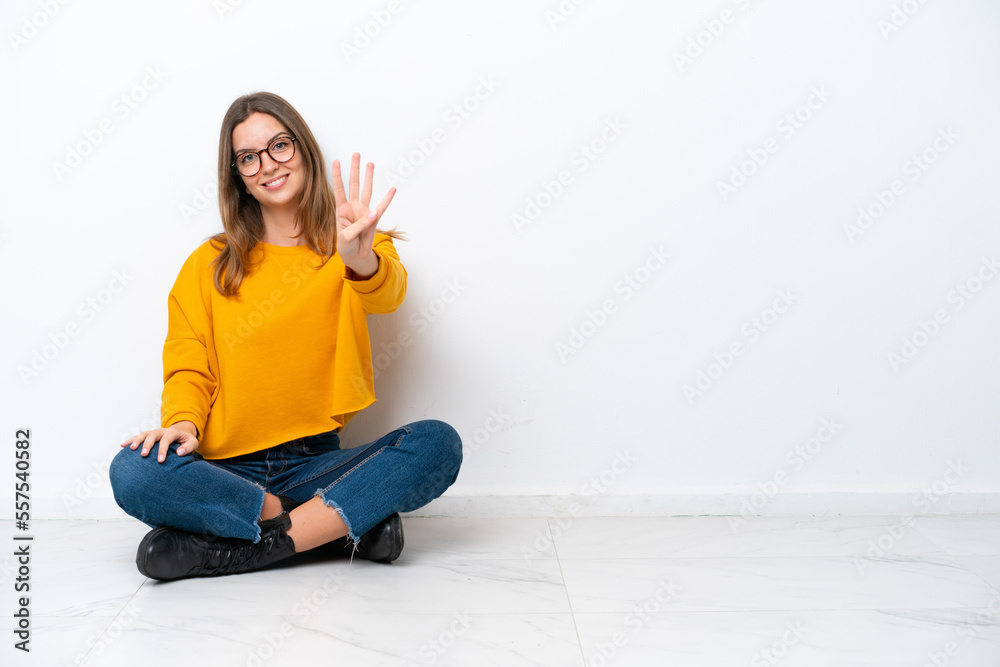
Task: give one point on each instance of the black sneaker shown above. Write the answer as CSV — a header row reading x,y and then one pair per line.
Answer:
x,y
167,553
381,544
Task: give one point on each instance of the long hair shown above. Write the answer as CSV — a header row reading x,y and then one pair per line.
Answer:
x,y
241,217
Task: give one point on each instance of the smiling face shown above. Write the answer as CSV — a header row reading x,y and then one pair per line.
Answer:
x,y
278,184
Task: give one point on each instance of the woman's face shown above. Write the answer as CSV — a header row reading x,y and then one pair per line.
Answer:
x,y
277,184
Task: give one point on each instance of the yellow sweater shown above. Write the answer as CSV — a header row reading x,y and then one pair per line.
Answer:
x,y
289,358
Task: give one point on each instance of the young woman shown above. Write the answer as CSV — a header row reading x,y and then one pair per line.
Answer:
x,y
266,359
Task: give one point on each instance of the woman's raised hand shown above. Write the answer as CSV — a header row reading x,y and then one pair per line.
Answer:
x,y
355,221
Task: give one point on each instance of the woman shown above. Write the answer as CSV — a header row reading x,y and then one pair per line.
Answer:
x,y
266,358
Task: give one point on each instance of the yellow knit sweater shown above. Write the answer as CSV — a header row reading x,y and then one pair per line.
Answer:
x,y
288,358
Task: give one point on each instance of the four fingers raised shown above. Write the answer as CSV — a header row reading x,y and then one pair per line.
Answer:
x,y
354,183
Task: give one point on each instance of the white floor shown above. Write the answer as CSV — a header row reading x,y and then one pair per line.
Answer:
x,y
676,591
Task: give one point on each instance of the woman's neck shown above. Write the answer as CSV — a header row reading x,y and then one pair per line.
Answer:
x,y
280,227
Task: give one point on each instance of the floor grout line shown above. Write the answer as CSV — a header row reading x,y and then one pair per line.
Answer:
x,y
569,602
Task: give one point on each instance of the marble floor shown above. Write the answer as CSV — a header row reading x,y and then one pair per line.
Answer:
x,y
684,591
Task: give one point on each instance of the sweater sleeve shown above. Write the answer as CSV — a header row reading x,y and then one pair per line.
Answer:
x,y
383,292
188,381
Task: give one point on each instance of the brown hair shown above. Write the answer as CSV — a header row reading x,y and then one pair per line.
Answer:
x,y
241,217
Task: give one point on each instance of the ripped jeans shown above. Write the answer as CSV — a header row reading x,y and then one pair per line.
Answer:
x,y
400,472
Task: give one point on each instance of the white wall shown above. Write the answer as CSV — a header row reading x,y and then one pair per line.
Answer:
x,y
142,199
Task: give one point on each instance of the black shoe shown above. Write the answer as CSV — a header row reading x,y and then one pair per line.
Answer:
x,y
383,543
167,553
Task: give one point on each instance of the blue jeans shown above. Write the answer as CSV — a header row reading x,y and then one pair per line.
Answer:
x,y
399,472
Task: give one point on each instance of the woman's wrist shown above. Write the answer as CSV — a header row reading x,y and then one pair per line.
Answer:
x,y
366,269
187,427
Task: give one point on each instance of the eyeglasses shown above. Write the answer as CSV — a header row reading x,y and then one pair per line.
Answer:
x,y
282,149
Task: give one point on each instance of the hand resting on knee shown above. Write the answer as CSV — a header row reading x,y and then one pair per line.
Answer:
x,y
184,433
